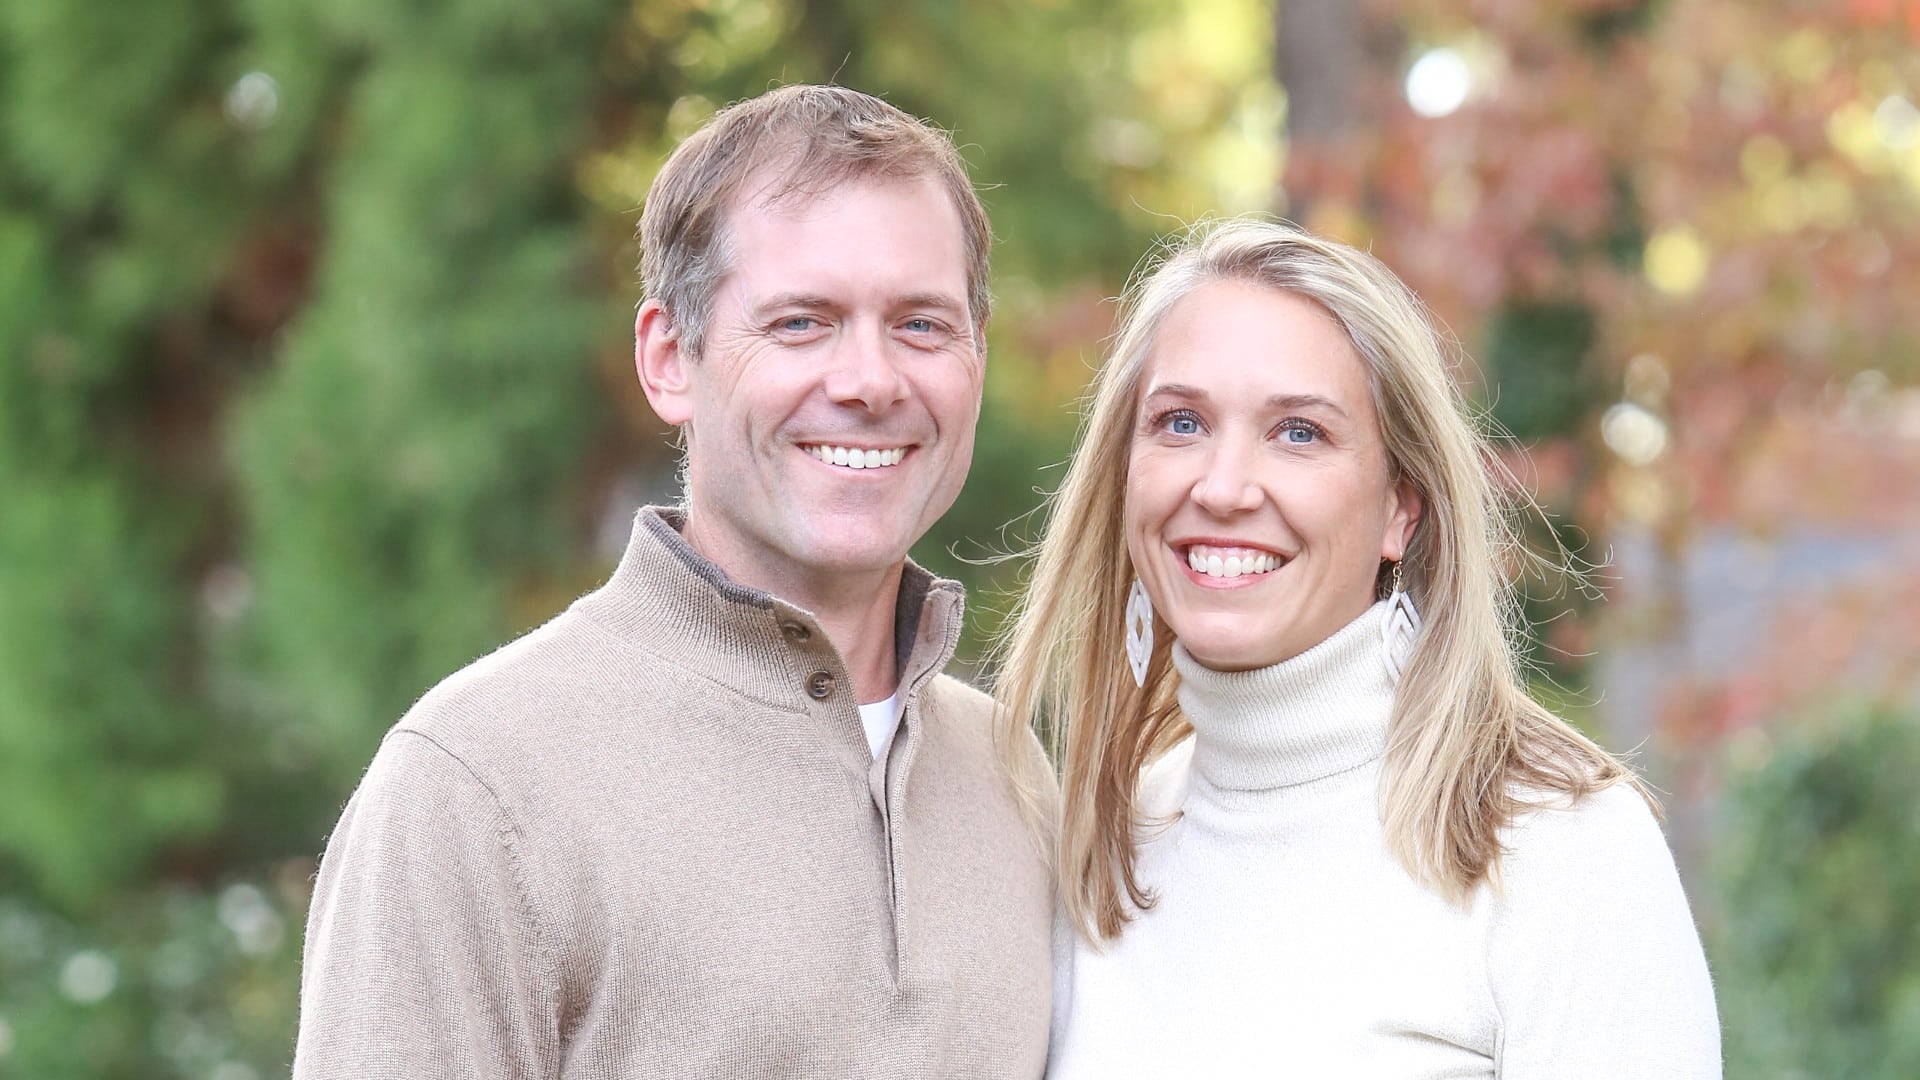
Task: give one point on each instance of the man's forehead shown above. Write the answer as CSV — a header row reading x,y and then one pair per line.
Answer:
x,y
790,191
821,232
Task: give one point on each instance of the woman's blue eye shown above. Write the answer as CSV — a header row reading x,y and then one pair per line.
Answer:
x,y
1299,436
1184,425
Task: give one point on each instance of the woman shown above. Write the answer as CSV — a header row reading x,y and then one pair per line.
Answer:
x,y
1312,823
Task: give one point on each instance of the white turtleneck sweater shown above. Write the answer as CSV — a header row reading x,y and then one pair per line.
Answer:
x,y
1287,941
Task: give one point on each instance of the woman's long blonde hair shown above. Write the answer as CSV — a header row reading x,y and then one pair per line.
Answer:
x,y
1467,747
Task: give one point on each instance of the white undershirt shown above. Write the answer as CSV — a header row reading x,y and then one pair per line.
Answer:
x,y
880,718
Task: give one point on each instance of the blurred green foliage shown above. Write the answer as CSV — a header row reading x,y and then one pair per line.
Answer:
x,y
406,459
108,227
1816,950
313,323
315,384
177,981
1539,357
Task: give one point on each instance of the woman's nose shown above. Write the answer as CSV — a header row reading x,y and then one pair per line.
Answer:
x,y
1227,486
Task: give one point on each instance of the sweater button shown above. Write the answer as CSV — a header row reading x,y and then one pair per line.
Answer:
x,y
819,684
795,631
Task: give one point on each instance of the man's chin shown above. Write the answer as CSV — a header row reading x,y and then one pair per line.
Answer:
x,y
850,542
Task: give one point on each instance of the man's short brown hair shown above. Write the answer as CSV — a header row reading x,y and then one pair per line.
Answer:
x,y
804,141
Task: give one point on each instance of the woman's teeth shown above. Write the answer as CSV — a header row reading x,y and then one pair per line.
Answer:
x,y
1231,562
855,458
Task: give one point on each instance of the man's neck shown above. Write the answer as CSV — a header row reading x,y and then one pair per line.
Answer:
x,y
858,617
855,608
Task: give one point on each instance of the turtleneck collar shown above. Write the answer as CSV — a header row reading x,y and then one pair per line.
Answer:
x,y
1320,713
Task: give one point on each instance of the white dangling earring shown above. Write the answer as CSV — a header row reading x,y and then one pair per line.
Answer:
x,y
1139,631
1400,627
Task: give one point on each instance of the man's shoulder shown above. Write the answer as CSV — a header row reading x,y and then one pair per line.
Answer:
x,y
560,682
526,674
959,709
970,722
959,698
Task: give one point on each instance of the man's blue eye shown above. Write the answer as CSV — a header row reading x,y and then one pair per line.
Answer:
x,y
797,323
920,326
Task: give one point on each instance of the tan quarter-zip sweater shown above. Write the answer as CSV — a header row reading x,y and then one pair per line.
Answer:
x,y
649,839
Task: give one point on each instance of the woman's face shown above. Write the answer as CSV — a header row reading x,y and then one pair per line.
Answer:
x,y
1258,499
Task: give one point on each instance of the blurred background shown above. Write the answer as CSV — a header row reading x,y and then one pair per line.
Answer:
x,y
315,384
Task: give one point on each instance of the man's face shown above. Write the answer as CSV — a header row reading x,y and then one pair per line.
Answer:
x,y
830,420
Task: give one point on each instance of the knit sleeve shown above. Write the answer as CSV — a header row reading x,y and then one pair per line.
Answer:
x,y
422,957
1595,965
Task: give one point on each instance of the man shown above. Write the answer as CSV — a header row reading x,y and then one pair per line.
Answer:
x,y
724,816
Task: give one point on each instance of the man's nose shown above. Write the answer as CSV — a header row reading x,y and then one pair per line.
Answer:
x,y
866,370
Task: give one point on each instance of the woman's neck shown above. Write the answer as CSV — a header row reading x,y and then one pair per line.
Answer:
x,y
1318,714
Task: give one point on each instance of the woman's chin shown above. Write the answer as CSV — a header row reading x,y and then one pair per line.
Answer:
x,y
1230,653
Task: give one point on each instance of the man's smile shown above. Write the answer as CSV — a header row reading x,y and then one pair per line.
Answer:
x,y
857,457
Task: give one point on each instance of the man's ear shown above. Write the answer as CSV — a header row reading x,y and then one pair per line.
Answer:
x,y
663,365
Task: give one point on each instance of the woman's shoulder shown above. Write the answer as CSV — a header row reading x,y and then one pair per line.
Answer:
x,y
1612,814
1599,843
1164,782
1592,955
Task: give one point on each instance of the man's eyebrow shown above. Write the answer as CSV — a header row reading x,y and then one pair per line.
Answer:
x,y
938,300
812,301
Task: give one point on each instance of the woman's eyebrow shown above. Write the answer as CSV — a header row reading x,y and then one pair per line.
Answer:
x,y
1179,390
1306,401
1277,401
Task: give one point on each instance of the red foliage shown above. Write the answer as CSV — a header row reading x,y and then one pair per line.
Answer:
x,y
1781,145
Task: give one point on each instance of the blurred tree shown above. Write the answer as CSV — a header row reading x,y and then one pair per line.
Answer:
x,y
315,374
1815,949
315,325
405,465
113,235
126,314
1686,219
1673,234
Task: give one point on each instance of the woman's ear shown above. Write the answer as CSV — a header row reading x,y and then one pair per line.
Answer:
x,y
664,367
1404,508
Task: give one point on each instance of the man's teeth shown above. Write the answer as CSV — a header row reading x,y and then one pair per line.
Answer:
x,y
855,458
1231,562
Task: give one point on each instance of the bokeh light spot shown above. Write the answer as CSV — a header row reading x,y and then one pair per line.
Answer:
x,y
1438,82
255,925
1806,54
88,977
1676,261
1764,159
253,101
1782,205
1896,123
1851,131
1647,380
1634,433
